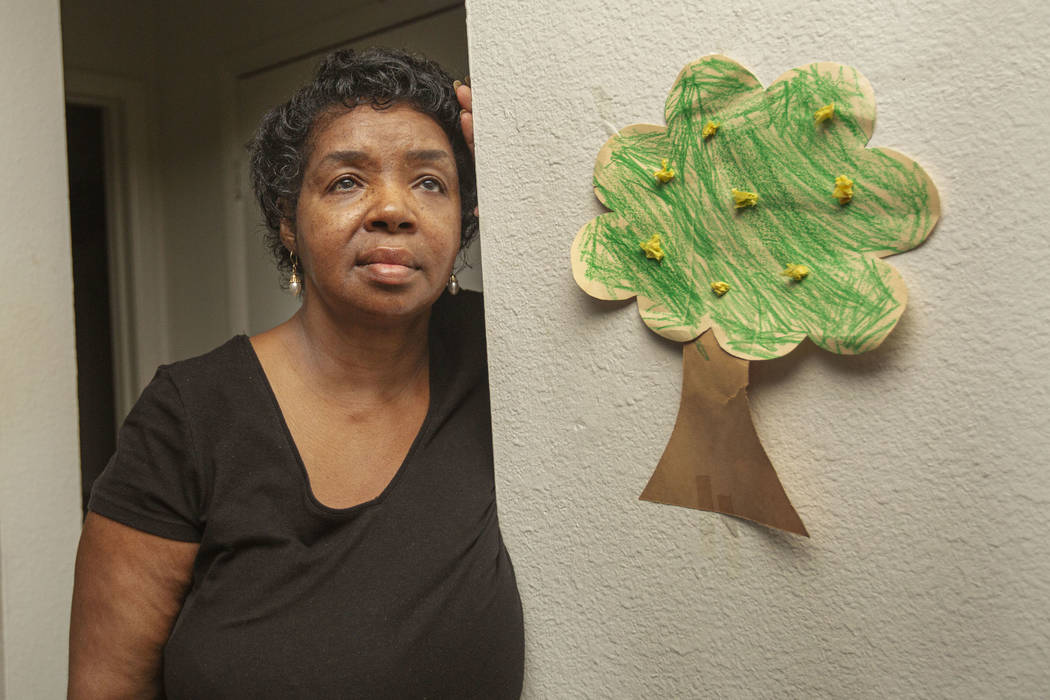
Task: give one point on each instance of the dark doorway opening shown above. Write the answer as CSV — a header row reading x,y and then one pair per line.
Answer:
x,y
85,138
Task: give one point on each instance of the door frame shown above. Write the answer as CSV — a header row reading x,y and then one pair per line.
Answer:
x,y
138,285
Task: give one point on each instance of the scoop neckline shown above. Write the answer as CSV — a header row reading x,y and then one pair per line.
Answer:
x,y
307,487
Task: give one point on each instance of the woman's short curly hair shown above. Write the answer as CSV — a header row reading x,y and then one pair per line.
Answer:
x,y
376,77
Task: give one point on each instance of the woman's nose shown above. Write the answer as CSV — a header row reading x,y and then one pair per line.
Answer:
x,y
391,211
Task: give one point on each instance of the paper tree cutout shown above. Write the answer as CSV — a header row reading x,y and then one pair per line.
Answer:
x,y
772,219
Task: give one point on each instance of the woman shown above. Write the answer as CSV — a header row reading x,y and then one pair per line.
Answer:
x,y
310,512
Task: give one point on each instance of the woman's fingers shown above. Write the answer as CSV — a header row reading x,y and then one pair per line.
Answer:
x,y
466,116
464,96
466,120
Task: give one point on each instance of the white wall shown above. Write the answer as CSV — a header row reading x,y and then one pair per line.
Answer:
x,y
39,477
920,469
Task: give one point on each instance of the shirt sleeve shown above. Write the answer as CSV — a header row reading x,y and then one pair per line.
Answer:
x,y
153,482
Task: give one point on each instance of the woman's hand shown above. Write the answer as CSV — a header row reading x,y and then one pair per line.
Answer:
x,y
466,116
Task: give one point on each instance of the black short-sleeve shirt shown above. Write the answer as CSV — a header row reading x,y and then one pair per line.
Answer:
x,y
409,595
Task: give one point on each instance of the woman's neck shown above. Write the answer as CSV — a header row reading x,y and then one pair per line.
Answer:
x,y
360,360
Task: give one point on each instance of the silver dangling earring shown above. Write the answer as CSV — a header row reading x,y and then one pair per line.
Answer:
x,y
453,284
295,285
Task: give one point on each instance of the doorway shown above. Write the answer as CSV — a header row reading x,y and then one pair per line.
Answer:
x,y
89,221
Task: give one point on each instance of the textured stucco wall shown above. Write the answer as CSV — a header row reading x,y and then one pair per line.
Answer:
x,y
39,476
920,468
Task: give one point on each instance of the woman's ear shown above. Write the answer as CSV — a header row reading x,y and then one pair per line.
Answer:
x,y
287,235
287,231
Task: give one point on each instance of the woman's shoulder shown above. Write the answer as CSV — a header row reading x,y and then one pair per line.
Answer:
x,y
160,478
227,367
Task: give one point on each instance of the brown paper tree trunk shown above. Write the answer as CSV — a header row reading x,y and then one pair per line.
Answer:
x,y
714,459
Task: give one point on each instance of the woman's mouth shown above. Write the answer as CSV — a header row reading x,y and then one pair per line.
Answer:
x,y
389,274
388,265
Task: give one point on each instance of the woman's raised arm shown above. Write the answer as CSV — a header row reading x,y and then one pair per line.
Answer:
x,y
128,589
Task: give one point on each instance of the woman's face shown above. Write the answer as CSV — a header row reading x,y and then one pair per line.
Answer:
x,y
378,222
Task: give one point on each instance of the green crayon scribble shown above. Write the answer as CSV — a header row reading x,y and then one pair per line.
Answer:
x,y
768,144
703,353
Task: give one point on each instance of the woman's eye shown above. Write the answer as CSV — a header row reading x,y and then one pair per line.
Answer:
x,y
345,183
431,184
